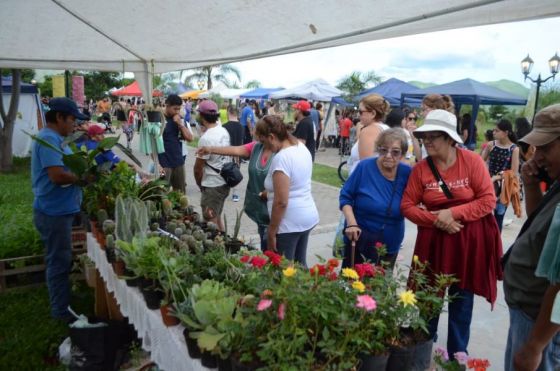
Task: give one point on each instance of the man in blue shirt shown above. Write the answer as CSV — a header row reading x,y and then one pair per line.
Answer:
x,y
57,201
172,160
248,121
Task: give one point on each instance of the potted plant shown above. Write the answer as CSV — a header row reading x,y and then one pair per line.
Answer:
x,y
233,243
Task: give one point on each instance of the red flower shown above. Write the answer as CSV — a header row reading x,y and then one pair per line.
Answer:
x,y
245,258
258,261
365,270
274,258
332,276
378,245
318,269
266,293
332,264
478,364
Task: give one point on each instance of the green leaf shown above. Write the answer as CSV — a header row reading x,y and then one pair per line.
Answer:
x,y
108,143
72,138
44,142
208,339
76,163
128,152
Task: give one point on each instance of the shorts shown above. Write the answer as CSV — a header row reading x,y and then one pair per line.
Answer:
x,y
213,198
176,178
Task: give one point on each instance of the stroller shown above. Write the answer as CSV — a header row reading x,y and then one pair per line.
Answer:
x,y
105,119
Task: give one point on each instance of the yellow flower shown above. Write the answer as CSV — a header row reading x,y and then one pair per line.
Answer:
x,y
407,298
359,286
289,272
415,259
350,273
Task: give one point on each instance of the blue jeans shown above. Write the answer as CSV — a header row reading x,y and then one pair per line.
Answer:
x,y
459,321
499,213
263,230
293,245
56,234
520,326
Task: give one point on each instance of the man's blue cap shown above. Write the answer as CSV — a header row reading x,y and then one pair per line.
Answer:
x,y
66,105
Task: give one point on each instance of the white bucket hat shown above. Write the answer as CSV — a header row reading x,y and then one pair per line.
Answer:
x,y
439,120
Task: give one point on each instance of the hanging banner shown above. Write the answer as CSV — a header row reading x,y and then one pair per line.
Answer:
x,y
58,86
78,90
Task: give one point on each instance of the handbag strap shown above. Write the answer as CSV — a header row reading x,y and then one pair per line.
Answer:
x,y
440,181
212,167
394,189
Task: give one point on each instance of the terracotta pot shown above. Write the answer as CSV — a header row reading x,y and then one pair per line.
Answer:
x,y
93,225
101,239
168,319
119,268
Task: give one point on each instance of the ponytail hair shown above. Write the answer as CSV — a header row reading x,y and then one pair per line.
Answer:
x,y
505,125
438,101
376,103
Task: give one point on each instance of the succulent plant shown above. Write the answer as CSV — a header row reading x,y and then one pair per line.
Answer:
x,y
178,232
102,216
108,226
167,207
171,226
184,202
212,227
199,235
110,241
191,242
189,210
154,227
184,237
209,244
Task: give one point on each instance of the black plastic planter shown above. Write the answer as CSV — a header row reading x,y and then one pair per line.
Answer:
x,y
192,346
209,360
400,358
224,364
422,355
373,362
152,296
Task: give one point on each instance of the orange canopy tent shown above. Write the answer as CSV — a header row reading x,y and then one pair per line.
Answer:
x,y
133,90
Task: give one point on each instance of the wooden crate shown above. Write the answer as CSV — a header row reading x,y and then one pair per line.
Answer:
x,y
30,270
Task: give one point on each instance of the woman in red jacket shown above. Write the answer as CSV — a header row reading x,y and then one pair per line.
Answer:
x,y
450,197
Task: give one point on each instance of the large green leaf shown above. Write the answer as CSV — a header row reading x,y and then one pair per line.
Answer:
x,y
108,143
209,338
76,162
72,137
44,142
128,152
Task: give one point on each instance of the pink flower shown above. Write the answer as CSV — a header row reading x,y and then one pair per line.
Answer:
x,y
264,304
378,245
365,302
462,358
442,352
281,311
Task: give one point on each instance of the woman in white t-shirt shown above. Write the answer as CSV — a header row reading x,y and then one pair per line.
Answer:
x,y
372,109
293,213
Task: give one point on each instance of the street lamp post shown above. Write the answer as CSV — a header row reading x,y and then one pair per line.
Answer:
x,y
527,65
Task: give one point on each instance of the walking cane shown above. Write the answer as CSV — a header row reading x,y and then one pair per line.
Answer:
x,y
352,253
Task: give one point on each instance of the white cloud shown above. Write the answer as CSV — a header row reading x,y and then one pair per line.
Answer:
x,y
485,53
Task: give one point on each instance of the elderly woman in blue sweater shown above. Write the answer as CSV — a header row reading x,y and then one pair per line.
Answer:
x,y
370,201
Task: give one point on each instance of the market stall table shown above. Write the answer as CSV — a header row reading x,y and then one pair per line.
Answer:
x,y
165,344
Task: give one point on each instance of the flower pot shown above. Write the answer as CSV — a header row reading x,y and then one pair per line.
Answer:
x,y
422,355
153,296
93,227
400,358
192,346
168,319
154,116
373,362
119,268
224,364
237,365
209,360
89,272
130,281
110,254
101,239
233,246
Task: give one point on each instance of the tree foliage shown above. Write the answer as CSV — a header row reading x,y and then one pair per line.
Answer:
x,y
27,74
253,84
357,81
210,74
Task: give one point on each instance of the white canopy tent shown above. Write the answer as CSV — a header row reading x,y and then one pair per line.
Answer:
x,y
224,92
140,37
313,90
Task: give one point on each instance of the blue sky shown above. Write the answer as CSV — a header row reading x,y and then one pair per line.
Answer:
x,y
485,53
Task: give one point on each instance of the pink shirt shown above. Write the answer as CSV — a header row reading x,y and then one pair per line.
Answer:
x,y
249,147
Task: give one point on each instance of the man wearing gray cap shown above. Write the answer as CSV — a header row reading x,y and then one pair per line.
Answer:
x,y
533,340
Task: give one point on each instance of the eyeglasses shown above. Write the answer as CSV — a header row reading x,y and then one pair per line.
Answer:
x,y
394,153
430,137
362,112
412,118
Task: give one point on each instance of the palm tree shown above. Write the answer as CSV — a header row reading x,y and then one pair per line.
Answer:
x,y
253,84
214,73
357,81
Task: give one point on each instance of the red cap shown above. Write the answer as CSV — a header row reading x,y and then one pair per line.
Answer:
x,y
95,130
302,105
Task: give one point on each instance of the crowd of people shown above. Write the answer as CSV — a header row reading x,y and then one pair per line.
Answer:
x,y
428,173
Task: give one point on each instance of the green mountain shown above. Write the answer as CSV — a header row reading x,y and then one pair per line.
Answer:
x,y
421,84
511,87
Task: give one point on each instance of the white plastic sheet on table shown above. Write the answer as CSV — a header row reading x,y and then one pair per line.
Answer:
x,y
165,344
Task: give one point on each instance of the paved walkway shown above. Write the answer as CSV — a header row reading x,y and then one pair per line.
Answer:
x,y
488,329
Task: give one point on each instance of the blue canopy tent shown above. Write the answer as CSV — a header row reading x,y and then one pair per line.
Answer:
x,y
259,93
392,90
468,91
25,87
178,89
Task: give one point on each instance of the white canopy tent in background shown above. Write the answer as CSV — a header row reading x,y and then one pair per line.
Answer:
x,y
224,92
141,37
317,90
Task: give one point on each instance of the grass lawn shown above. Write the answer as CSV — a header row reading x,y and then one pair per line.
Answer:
x,y
19,237
326,174
30,337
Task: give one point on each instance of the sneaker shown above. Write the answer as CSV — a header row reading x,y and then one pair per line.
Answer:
x,y
235,198
507,222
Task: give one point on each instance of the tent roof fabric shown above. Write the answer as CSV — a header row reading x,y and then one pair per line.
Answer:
x,y
225,93
313,90
25,88
133,90
468,91
77,35
391,90
260,93
191,94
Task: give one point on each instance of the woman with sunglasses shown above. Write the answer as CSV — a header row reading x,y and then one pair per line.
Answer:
x,y
450,197
414,153
370,201
372,109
